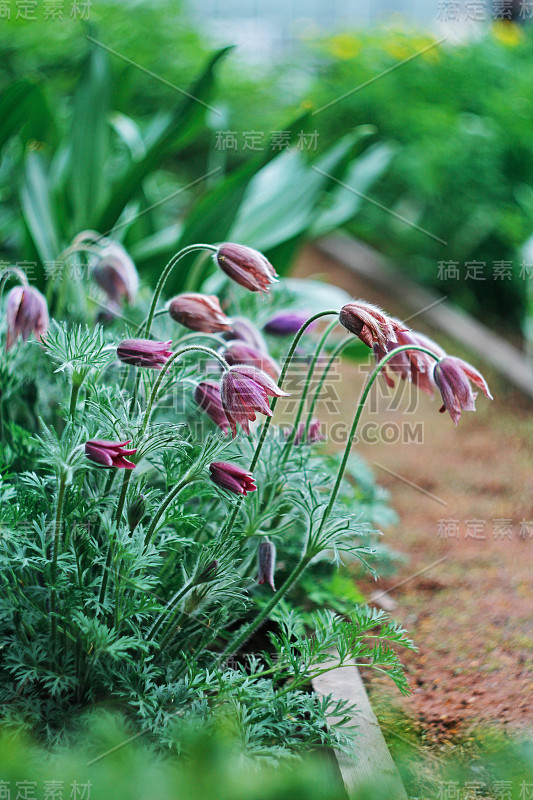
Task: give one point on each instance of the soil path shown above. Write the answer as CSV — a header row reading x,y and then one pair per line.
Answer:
x,y
468,506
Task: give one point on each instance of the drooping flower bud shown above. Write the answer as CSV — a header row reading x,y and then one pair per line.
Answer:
x,y
207,396
245,331
369,323
109,454
208,573
26,313
115,273
241,353
144,353
246,266
266,563
199,312
314,432
245,390
286,323
232,477
136,511
452,377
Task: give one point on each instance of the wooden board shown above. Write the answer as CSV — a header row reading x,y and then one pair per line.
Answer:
x,y
439,312
371,763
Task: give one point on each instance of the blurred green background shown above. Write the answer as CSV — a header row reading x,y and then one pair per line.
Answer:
x,y
96,132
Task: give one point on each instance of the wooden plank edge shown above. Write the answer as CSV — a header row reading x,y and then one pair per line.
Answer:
x,y
365,262
371,763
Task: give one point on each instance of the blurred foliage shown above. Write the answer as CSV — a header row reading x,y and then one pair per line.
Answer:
x,y
113,767
463,117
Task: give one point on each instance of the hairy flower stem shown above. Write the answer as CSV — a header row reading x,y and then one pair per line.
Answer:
x,y
74,398
164,277
55,554
286,364
336,352
110,549
290,441
157,385
237,642
169,499
356,419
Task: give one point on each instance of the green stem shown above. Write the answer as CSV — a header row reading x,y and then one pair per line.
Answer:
x,y
336,352
189,348
74,398
171,607
55,554
357,417
236,643
164,276
266,426
290,441
186,481
110,550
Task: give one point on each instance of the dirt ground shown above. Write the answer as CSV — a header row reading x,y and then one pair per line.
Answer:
x,y
465,500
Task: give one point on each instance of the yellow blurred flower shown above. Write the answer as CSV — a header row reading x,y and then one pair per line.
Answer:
x,y
507,33
344,46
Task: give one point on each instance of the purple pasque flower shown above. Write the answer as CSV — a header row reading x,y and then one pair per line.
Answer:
x,y
109,454
246,266
26,313
244,330
115,273
410,365
369,323
207,396
241,353
314,432
286,323
266,563
452,376
244,391
199,312
232,477
144,353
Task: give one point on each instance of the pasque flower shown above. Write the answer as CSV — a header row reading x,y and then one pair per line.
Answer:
x,y
144,353
369,323
246,266
199,312
410,365
266,563
207,396
452,376
242,353
115,273
286,323
26,313
314,432
244,391
232,477
109,454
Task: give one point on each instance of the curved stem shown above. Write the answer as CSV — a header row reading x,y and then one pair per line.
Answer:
x,y
266,426
336,352
357,417
290,441
236,643
164,276
189,348
186,480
